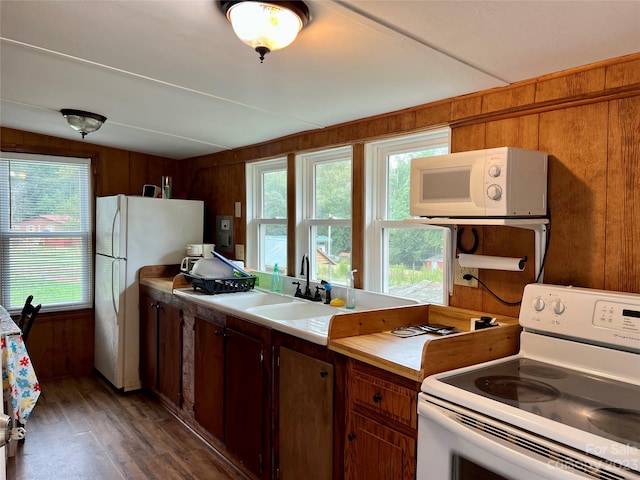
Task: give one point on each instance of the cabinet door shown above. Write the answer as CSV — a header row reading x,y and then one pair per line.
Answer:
x,y
244,401
376,452
170,352
305,426
148,342
209,377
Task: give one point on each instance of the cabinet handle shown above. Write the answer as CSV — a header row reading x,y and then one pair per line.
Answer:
x,y
219,333
351,437
323,373
377,398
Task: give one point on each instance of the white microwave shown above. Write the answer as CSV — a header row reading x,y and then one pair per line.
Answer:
x,y
502,182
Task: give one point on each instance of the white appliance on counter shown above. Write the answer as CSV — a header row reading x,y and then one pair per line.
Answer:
x,y
567,406
132,232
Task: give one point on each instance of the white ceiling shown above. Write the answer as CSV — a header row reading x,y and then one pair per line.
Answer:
x,y
174,81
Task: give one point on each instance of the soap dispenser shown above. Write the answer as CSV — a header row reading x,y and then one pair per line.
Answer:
x,y
276,281
351,294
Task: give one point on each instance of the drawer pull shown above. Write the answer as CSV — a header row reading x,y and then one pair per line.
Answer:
x,y
323,373
351,437
377,398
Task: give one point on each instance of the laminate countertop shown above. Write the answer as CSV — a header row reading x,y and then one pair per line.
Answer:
x,y
366,336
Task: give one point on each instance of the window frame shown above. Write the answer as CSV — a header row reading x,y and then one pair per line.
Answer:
x,y
255,253
305,219
377,225
85,234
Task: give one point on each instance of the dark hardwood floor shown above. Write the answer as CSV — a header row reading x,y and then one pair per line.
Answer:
x,y
82,429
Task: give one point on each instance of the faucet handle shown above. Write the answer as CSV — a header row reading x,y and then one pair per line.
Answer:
x,y
318,297
298,291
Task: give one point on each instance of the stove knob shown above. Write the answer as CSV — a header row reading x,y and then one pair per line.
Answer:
x,y
558,306
538,304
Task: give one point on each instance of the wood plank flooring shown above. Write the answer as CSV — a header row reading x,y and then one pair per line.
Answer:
x,y
83,429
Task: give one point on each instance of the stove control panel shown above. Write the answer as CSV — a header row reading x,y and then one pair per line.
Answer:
x,y
600,316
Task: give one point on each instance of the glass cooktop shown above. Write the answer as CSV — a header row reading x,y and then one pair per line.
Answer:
x,y
594,404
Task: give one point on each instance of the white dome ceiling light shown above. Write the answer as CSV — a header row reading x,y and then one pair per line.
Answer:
x,y
266,26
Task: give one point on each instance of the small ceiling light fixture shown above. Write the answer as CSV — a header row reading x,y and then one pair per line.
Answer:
x,y
266,25
83,122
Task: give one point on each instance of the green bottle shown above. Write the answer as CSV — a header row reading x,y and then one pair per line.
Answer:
x,y
276,281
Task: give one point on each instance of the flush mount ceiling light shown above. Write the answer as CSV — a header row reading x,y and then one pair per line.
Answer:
x,y
268,25
83,122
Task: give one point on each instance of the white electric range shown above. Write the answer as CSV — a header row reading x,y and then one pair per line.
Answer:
x,y
567,406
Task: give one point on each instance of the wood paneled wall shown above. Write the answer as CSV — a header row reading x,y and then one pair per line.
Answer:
x,y
587,119
61,344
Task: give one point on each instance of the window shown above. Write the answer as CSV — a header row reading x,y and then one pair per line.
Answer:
x,y
325,232
267,204
407,260
45,231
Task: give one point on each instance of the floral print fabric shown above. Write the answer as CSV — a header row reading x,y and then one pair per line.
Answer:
x,y
19,382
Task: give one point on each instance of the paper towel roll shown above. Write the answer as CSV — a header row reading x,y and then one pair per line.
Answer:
x,y
491,263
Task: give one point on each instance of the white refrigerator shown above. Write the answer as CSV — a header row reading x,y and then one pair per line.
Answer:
x,y
132,232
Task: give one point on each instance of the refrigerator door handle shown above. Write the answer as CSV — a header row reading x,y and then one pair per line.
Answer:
x,y
113,289
116,217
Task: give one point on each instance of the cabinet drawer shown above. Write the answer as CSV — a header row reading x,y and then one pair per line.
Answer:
x,y
391,400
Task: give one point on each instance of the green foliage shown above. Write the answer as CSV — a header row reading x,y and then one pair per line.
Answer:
x,y
275,194
333,189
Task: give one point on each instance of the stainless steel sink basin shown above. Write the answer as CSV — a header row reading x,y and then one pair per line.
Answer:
x,y
295,310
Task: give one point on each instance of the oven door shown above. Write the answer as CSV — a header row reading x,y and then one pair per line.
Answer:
x,y
457,444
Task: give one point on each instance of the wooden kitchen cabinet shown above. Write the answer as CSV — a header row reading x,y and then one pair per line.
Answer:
x,y
247,397
148,342
209,376
309,410
305,423
381,426
231,389
161,347
170,352
377,452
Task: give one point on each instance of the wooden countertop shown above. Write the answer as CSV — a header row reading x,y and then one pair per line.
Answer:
x,y
366,337
159,277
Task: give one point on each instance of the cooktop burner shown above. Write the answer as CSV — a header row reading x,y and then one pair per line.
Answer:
x,y
619,422
516,388
582,400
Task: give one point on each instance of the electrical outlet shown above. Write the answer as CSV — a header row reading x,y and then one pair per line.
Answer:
x,y
460,271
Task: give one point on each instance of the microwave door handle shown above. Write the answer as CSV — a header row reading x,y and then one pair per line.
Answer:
x,y
476,189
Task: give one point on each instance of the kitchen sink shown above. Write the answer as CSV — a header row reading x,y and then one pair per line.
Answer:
x,y
294,310
252,299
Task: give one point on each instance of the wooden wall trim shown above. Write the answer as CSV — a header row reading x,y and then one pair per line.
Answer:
x,y
292,196
358,212
609,79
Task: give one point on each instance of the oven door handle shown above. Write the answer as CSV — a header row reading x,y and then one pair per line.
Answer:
x,y
511,454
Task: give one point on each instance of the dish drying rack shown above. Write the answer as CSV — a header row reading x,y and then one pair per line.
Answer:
x,y
240,282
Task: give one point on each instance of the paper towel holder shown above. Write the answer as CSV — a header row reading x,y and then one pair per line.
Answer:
x,y
489,262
